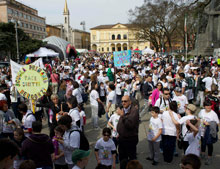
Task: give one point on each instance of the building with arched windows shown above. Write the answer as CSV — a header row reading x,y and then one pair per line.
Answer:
x,y
118,37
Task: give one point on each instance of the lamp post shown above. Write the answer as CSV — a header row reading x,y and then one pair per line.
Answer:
x,y
16,36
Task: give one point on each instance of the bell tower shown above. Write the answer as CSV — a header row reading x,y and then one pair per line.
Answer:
x,y
66,24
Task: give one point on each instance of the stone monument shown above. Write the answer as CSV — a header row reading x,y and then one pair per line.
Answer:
x,y
208,30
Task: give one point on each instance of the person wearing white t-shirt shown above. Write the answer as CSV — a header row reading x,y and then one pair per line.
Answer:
x,y
208,82
71,139
118,91
163,101
105,150
111,100
190,111
206,116
181,100
154,135
169,132
94,99
193,137
27,119
113,122
74,111
76,92
2,96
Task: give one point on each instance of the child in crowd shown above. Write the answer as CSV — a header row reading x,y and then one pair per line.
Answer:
x,y
18,139
194,137
105,150
58,155
82,117
113,122
154,135
102,92
190,161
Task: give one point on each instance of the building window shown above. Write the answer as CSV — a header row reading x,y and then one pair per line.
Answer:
x,y
25,16
113,37
10,11
108,49
30,26
113,49
93,37
119,36
102,49
65,20
125,36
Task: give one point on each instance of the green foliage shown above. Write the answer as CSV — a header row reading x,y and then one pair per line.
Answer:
x,y
8,41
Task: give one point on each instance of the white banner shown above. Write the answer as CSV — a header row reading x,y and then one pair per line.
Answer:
x,y
15,67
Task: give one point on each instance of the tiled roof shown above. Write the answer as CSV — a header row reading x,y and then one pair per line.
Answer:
x,y
110,26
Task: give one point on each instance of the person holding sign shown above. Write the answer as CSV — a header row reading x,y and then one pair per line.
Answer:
x,y
54,109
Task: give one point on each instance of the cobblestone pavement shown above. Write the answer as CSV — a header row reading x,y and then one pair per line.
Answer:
x,y
142,147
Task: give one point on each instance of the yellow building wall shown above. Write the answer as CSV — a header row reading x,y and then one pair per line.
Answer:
x,y
101,40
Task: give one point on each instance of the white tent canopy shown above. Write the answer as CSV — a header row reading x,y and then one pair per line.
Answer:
x,y
43,52
148,51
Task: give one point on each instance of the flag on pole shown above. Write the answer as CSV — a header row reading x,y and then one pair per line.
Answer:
x,y
27,60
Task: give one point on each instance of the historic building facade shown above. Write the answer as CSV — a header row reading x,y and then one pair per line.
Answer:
x,y
118,37
27,18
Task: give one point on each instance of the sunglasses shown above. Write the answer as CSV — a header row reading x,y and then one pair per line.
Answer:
x,y
124,101
106,135
166,93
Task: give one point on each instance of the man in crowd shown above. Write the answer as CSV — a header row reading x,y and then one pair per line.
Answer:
x,y
128,130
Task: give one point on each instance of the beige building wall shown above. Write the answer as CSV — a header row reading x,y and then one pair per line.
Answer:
x,y
118,37
30,22
3,12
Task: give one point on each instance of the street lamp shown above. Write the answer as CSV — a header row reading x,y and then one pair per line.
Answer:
x,y
16,35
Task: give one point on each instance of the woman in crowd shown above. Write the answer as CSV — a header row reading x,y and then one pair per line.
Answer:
x,y
157,93
169,132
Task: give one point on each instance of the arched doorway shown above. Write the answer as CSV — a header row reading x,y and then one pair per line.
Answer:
x,y
118,46
113,47
125,46
94,47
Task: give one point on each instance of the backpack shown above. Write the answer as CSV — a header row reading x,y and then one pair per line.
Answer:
x,y
84,97
169,100
190,83
84,143
37,117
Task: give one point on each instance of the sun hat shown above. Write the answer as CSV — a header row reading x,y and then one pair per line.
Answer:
x,y
191,107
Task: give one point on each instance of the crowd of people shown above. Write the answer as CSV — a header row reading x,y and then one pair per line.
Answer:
x,y
182,98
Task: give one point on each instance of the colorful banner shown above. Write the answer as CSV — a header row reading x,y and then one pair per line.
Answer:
x,y
122,58
15,67
31,82
218,61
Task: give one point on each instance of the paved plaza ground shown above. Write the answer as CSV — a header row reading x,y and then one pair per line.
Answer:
x,y
142,148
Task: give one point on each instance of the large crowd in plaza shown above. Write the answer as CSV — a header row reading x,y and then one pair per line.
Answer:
x,y
181,96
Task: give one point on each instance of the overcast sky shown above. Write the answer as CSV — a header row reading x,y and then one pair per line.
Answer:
x,y
93,12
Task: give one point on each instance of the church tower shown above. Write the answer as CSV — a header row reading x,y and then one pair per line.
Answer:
x,y
66,24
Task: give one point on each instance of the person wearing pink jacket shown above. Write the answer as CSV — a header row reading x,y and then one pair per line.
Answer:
x,y
156,93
